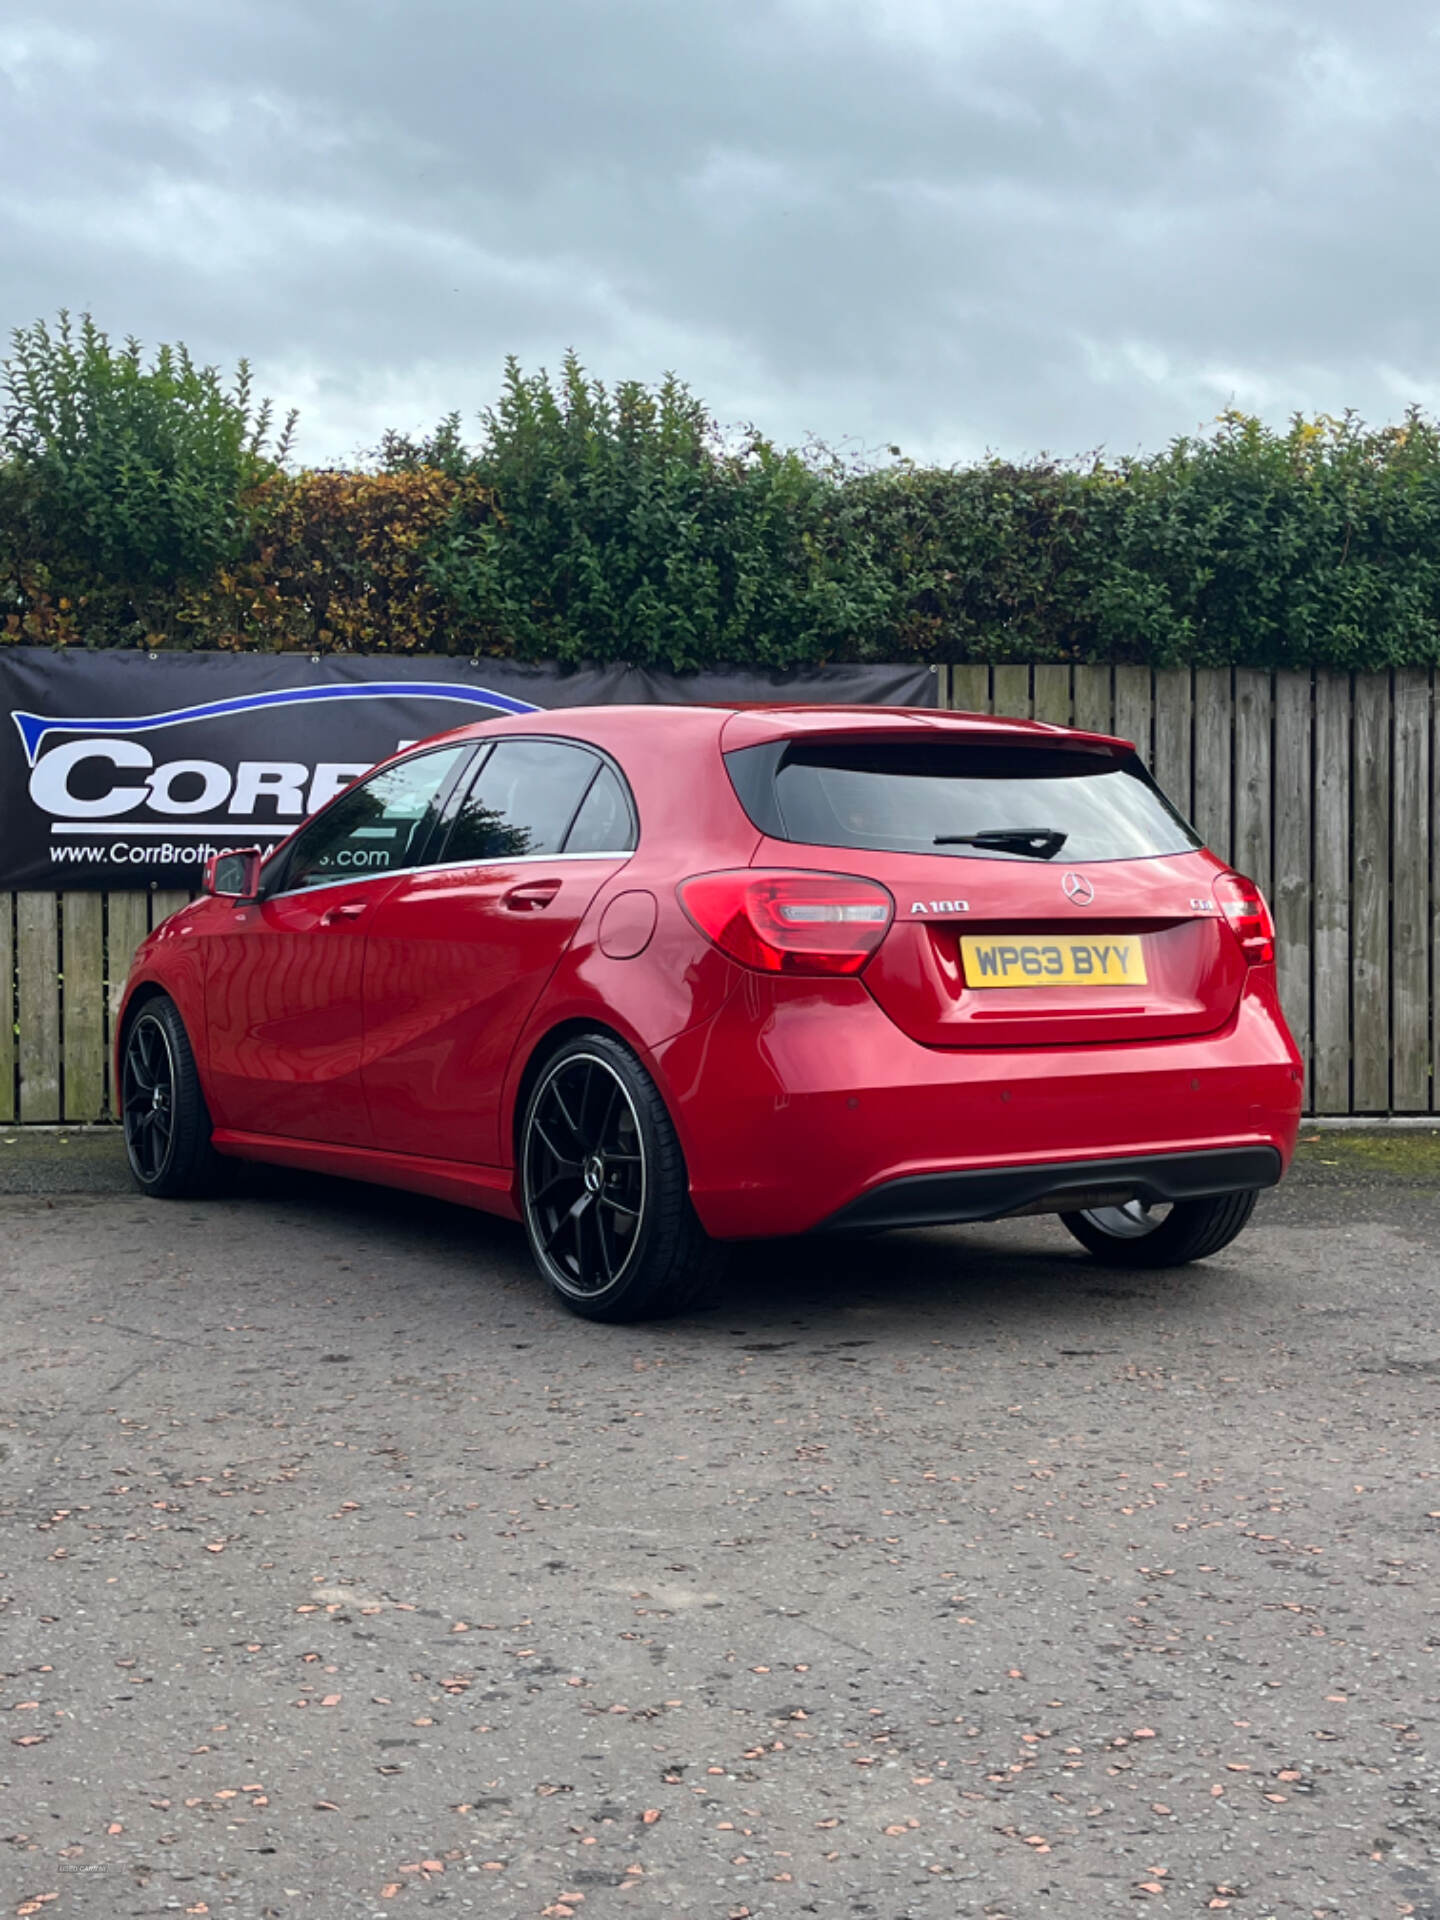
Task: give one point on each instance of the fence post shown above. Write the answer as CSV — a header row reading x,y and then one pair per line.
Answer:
x,y
38,973
127,920
1052,694
1214,759
7,1007
1435,889
1370,895
1291,893
82,929
1093,712
1331,902
1135,709
1409,900
1012,691
970,689
1172,737
1253,774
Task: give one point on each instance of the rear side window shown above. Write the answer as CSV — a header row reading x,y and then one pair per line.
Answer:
x,y
522,801
604,823
939,797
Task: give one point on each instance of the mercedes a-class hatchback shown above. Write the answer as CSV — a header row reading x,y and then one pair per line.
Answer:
x,y
652,979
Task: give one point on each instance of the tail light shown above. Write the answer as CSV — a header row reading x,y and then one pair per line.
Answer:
x,y
792,923
1244,907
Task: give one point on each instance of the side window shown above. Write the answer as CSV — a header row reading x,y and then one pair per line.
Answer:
x,y
377,826
522,800
604,823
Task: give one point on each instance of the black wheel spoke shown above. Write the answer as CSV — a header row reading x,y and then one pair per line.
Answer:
x,y
563,1159
598,1229
566,1179
571,1216
584,1267
602,1133
587,1087
592,1273
619,1206
148,1098
559,1099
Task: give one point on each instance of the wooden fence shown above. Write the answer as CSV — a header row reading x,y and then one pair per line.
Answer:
x,y
1324,787
65,957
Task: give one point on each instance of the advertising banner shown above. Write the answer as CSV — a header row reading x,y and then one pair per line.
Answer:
x,y
124,770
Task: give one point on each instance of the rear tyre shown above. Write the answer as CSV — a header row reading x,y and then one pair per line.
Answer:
x,y
605,1193
1138,1235
167,1124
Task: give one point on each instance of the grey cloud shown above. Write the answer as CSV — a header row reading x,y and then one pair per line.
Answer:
x,y
938,222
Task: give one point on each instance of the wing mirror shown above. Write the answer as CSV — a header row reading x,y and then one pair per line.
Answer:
x,y
235,875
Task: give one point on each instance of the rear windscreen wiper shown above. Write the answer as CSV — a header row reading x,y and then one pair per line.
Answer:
x,y
1041,843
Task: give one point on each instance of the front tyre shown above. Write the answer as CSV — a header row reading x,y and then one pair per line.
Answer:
x,y
1139,1235
606,1198
167,1124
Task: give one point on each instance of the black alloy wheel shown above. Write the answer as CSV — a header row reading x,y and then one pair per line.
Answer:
x,y
584,1175
167,1123
149,1098
1139,1235
606,1197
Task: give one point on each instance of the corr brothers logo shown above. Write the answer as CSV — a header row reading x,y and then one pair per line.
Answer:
x,y
93,777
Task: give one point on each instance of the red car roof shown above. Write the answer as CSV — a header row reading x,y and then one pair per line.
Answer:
x,y
749,725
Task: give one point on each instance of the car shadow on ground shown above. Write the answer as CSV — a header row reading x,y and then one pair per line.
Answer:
x,y
1011,1272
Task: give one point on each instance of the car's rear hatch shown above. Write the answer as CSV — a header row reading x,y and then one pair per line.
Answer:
x,y
1112,934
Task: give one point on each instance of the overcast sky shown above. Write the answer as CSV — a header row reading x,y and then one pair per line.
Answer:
x,y
953,224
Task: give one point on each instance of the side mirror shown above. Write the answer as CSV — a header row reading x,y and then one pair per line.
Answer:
x,y
234,874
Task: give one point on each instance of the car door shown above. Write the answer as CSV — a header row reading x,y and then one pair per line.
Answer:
x,y
284,979
458,954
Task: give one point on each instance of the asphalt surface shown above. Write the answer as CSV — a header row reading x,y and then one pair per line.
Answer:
x,y
928,1575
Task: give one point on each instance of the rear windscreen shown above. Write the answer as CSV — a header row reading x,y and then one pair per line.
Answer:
x,y
939,797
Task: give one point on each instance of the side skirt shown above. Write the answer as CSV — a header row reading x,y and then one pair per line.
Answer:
x,y
491,1189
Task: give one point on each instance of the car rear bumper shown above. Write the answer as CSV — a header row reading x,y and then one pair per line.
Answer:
x,y
802,1106
989,1193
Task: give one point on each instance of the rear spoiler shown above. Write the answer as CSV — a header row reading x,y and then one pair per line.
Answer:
x,y
754,726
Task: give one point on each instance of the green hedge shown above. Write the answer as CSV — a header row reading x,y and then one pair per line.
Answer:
x,y
1316,546
149,504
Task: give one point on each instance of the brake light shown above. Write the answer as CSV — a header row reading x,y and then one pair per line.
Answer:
x,y
1244,907
775,922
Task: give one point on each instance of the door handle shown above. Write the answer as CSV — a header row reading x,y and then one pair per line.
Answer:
x,y
347,910
531,896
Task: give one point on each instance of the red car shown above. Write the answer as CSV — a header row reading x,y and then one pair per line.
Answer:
x,y
650,979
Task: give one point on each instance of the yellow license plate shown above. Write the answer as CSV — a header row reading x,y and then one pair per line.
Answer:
x,y
1066,962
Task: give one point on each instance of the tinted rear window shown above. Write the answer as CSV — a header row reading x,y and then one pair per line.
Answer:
x,y
522,801
905,798
603,824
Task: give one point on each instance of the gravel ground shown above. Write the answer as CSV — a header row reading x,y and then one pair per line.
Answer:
x,y
928,1575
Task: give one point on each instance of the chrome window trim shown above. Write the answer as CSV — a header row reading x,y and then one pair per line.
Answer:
x,y
448,866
